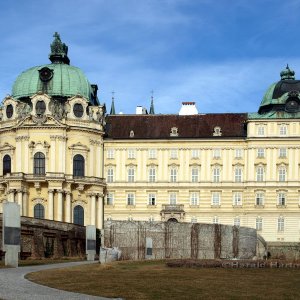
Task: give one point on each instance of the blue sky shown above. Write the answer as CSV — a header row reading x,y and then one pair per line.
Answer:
x,y
221,54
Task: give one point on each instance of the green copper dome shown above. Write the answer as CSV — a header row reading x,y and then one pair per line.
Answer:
x,y
278,93
67,81
57,79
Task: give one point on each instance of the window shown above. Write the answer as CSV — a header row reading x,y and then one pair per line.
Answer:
x,y
259,199
237,221
173,175
173,153
194,198
215,220
9,111
131,175
39,164
193,219
217,131
258,224
260,173
195,153
237,199
238,174
282,152
152,153
216,198
131,153
283,130
110,175
174,131
152,175
216,174
78,215
78,165
281,199
238,153
173,198
216,153
110,199
39,211
130,199
195,174
78,110
280,224
282,174
6,164
40,108
261,130
151,199
110,153
260,152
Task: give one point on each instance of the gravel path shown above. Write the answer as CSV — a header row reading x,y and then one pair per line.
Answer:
x,y
13,285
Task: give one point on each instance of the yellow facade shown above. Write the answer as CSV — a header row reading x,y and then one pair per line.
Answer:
x,y
238,194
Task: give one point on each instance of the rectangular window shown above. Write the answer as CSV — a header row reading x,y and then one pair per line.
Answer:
x,y
173,198
195,175
282,152
238,153
259,199
281,199
130,175
173,153
260,174
216,153
261,130
283,130
195,153
237,199
152,175
281,174
280,224
237,221
110,175
260,152
173,175
216,198
130,199
110,153
131,153
152,153
215,220
216,175
110,199
194,198
152,199
238,175
258,224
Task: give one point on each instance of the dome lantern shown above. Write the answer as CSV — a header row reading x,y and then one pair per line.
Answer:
x,y
59,51
287,74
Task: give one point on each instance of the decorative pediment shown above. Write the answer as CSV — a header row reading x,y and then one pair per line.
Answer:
x,y
39,200
79,147
6,147
44,120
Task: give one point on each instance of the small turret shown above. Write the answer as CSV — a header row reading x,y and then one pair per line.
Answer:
x,y
112,108
287,74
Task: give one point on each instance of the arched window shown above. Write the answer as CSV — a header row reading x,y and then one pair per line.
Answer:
x,y
39,211
39,164
78,215
78,165
6,164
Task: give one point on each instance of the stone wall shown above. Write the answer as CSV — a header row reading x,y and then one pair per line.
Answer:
x,y
283,250
158,240
45,238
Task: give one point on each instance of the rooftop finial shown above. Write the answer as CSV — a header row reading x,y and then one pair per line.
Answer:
x,y
112,108
287,73
59,51
151,111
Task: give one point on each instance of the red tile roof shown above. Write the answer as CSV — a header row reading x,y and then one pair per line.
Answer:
x,y
159,126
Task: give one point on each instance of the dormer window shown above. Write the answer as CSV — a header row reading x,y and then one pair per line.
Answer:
x,y
131,134
217,131
174,131
9,111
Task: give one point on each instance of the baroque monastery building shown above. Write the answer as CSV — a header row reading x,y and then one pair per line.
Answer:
x,y
63,159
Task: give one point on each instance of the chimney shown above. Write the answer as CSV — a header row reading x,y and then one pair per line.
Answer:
x,y
141,110
188,108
